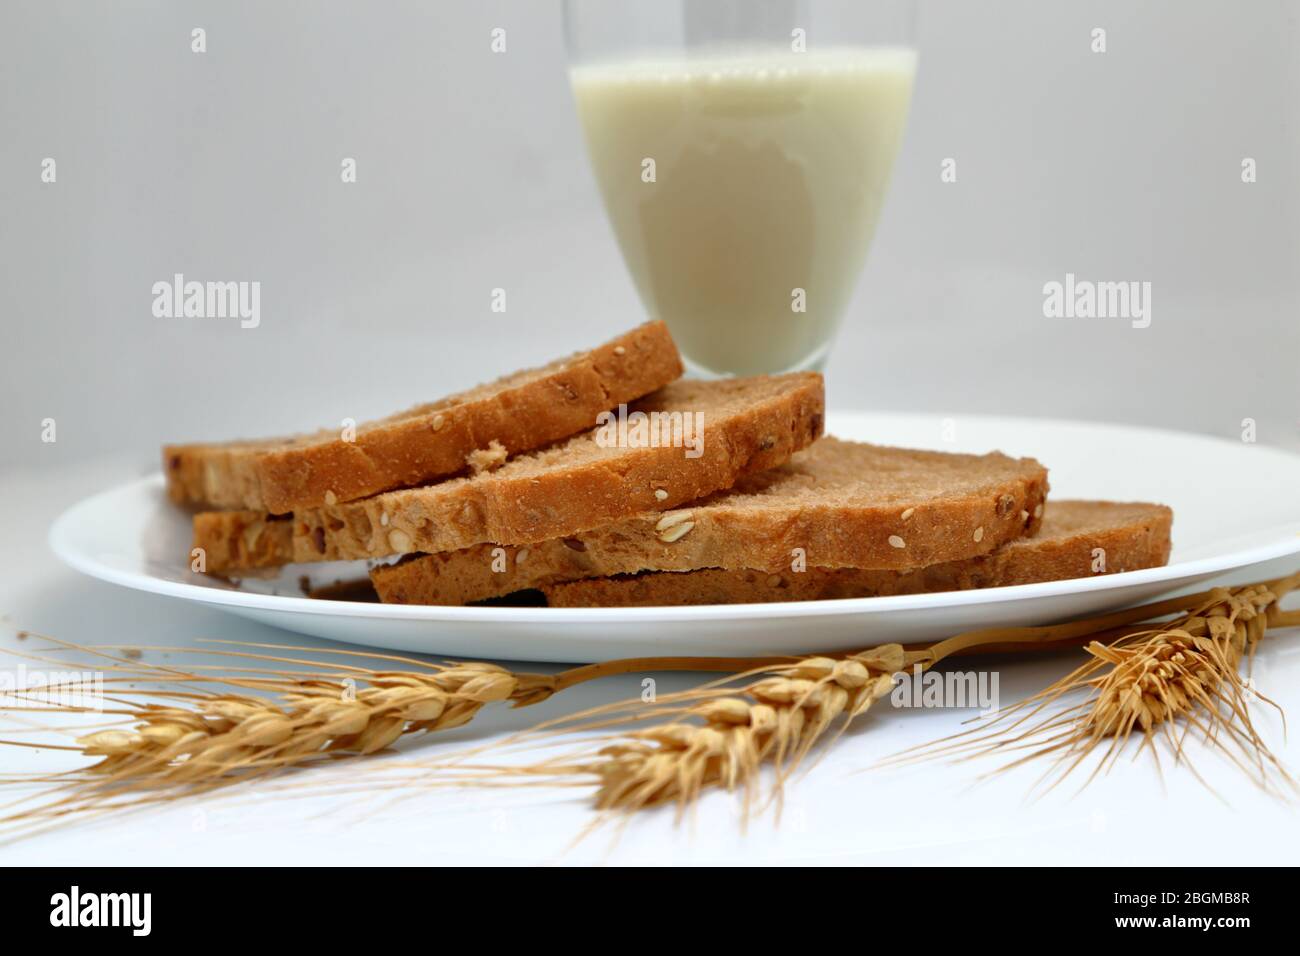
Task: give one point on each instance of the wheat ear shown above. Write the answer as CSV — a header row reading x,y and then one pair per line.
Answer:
x,y
724,732
776,719
175,735
1156,684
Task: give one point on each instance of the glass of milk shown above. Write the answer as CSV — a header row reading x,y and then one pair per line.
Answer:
x,y
743,149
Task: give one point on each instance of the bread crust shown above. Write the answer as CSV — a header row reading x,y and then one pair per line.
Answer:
x,y
809,509
521,412
1131,536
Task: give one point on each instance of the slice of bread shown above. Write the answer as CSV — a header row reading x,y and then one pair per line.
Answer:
x,y
837,504
747,425
520,412
709,434
1078,539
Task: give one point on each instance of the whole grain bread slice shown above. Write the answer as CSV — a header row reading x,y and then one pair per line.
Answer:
x,y
836,504
685,441
747,425
1077,539
520,412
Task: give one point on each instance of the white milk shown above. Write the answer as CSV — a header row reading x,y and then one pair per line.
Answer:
x,y
769,175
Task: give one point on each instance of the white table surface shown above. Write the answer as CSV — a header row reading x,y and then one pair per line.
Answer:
x,y
839,813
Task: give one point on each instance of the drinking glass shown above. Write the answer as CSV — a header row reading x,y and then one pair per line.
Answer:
x,y
743,149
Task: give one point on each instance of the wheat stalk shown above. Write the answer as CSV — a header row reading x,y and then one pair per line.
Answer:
x,y
168,742
226,732
198,739
1155,684
719,735
165,742
776,719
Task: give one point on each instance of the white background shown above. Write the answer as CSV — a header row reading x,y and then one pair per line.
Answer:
x,y
225,165
375,295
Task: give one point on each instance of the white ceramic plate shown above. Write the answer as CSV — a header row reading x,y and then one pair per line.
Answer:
x,y
1235,505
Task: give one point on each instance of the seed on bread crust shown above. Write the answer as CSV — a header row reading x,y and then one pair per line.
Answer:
x,y
487,459
671,519
674,526
979,534
896,542
676,532
251,535
660,494
907,514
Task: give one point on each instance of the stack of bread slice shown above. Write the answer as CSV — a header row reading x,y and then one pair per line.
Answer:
x,y
604,480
